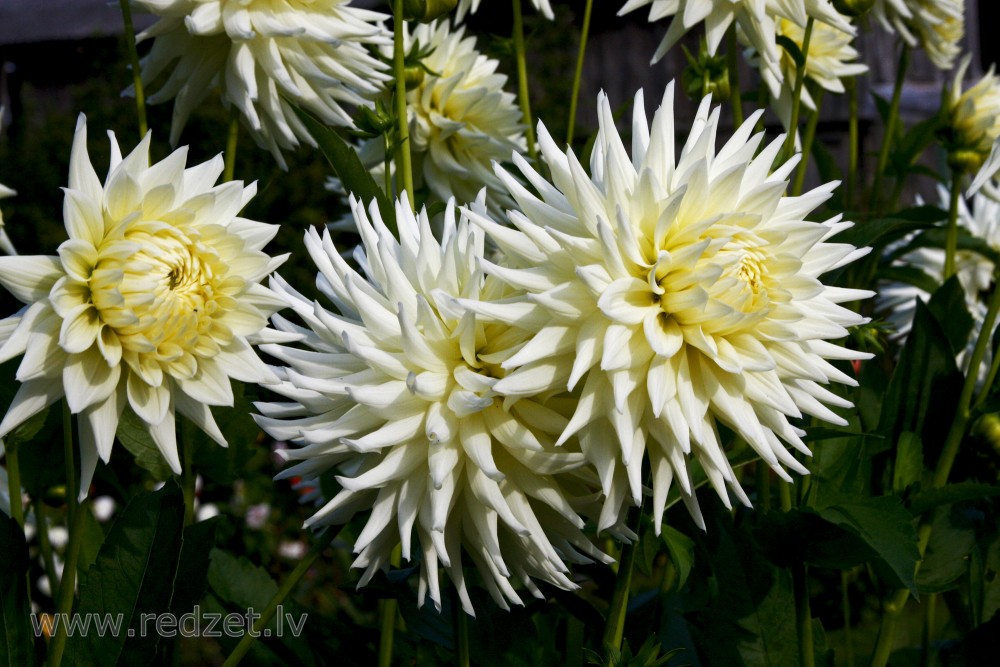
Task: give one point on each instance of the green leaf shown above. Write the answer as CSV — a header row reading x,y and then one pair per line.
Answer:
x,y
197,542
949,308
882,231
793,50
17,640
909,462
952,493
886,526
910,275
681,550
925,382
945,560
133,576
936,238
135,437
345,161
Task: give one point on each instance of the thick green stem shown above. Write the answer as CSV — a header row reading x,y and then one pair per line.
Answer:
x,y
852,141
894,608
803,615
785,494
404,165
133,55
45,545
800,78
614,625
763,475
807,143
67,587
845,610
522,81
578,74
14,484
387,618
890,125
951,241
930,604
72,493
732,58
272,607
462,653
187,473
232,140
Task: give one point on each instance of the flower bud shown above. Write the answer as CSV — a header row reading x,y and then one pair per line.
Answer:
x,y
853,8
966,160
987,427
413,77
426,11
705,75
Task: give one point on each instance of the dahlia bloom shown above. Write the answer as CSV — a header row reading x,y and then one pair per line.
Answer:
x,y
394,390
149,304
937,26
5,244
461,119
674,294
980,216
974,117
471,6
259,52
828,62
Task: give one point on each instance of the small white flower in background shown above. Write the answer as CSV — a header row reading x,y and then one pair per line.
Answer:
x,y
394,391
471,6
828,62
674,294
151,303
5,245
259,52
461,118
974,118
103,508
257,515
975,272
752,17
937,26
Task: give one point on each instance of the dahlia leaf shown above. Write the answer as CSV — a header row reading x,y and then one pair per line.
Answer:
x,y
681,550
946,559
885,526
134,435
133,576
952,493
949,307
345,161
17,647
882,231
909,465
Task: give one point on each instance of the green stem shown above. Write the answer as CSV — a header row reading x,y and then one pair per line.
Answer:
x,y
272,607
763,474
188,477
894,608
67,587
522,81
930,603
72,494
890,125
575,638
578,75
735,96
785,494
800,78
462,653
951,241
133,54
807,143
845,608
852,141
803,615
387,166
404,166
14,484
45,545
388,618
614,626
232,139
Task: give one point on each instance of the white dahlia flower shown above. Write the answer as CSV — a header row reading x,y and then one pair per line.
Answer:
x,y
394,391
5,243
259,52
828,62
974,118
674,294
975,273
752,16
937,26
800,11
149,304
472,6
461,119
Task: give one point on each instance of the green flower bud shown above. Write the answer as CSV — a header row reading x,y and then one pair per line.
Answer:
x,y
987,427
426,11
413,77
706,74
853,8
966,160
